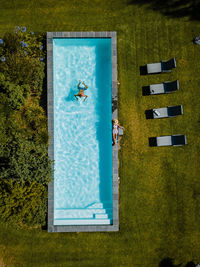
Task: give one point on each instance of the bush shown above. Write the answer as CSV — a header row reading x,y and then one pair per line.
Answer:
x,y
15,94
35,119
23,203
24,42
24,70
26,161
23,51
25,168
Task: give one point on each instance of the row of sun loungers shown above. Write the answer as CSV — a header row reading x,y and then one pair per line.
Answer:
x,y
165,112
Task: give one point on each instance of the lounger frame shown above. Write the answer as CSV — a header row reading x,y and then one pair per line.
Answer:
x,y
167,140
161,113
164,88
161,67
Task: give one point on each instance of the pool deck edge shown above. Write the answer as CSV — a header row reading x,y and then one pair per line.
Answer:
x,y
81,228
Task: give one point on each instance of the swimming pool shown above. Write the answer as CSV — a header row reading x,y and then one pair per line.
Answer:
x,y
83,195
82,132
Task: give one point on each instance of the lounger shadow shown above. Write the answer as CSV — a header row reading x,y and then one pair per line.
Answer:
x,y
145,90
143,70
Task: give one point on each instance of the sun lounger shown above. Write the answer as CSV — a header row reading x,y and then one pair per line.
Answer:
x,y
163,66
170,140
158,113
163,88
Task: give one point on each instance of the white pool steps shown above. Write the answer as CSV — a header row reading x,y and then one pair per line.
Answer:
x,y
77,213
83,222
98,205
101,216
92,214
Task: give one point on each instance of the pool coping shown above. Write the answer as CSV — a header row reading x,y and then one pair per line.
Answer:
x,y
81,228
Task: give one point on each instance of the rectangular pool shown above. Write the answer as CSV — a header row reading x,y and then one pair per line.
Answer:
x,y
82,132
83,195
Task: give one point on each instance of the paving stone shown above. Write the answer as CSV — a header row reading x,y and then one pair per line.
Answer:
x,y
114,92
78,34
49,34
98,34
104,34
49,41
114,41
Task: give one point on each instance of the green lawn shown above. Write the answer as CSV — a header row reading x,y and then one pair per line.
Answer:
x,y
159,187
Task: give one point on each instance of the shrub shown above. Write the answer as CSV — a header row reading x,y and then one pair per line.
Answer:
x,y
3,119
22,52
35,117
26,161
35,120
15,94
24,70
22,202
21,157
25,168
25,42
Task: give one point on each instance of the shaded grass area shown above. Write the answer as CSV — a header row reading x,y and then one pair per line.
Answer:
x,y
159,187
173,8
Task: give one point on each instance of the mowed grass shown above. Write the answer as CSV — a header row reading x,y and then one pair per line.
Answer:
x,y
159,187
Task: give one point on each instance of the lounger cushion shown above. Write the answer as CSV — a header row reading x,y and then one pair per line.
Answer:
x,y
156,89
154,68
160,113
164,141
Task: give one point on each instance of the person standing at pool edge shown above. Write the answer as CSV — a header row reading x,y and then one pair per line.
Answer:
x,y
81,90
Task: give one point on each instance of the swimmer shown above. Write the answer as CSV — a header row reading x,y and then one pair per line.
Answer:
x,y
115,130
81,90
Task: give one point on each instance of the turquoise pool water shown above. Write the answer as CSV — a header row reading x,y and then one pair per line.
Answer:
x,y
82,132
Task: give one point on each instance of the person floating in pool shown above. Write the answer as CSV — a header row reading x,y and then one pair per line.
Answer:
x,y
115,130
81,90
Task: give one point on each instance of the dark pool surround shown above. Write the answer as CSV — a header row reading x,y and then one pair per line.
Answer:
x,y
81,228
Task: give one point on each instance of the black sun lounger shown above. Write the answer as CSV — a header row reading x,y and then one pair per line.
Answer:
x,y
158,113
164,88
163,66
170,140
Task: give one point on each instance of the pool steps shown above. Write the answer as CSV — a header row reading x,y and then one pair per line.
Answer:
x,y
101,216
82,222
93,214
97,205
